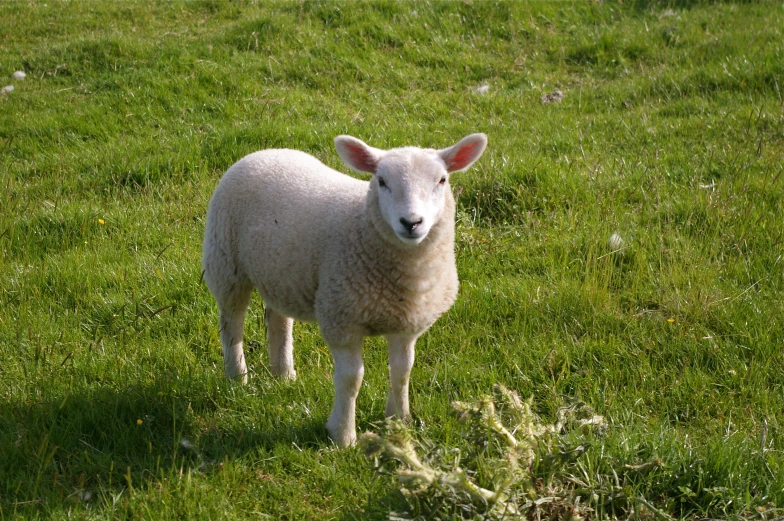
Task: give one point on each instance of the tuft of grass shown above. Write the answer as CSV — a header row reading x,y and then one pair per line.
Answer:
x,y
504,440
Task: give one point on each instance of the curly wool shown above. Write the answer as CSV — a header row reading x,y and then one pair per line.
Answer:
x,y
363,258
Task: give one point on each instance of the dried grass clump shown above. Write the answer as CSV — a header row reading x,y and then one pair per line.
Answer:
x,y
493,477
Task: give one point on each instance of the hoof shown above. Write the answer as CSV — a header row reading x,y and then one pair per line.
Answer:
x,y
343,438
239,377
288,376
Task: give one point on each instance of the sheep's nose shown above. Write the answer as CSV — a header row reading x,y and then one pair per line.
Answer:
x,y
410,225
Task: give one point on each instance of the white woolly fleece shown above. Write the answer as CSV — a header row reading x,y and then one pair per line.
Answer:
x,y
320,245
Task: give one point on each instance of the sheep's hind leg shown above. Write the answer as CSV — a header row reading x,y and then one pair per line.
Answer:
x,y
401,360
232,307
281,344
347,379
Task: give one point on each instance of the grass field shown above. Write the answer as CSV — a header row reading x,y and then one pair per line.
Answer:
x,y
670,134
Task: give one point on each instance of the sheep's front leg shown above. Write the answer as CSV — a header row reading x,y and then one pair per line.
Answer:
x,y
347,379
401,360
281,344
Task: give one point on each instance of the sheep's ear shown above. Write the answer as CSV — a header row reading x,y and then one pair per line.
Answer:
x,y
462,155
358,155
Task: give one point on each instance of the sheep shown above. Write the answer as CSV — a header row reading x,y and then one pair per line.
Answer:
x,y
361,258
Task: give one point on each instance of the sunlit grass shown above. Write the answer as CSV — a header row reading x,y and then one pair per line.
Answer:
x,y
670,135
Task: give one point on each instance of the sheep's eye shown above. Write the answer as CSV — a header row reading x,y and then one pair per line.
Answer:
x,y
442,181
381,182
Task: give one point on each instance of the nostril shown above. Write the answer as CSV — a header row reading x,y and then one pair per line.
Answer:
x,y
410,225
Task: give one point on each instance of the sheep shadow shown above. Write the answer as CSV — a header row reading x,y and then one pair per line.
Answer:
x,y
65,450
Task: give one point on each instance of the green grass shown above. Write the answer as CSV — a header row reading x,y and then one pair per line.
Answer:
x,y
671,133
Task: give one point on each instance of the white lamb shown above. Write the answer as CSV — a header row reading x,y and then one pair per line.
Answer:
x,y
360,258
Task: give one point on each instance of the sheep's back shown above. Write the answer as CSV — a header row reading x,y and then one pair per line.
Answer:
x,y
283,207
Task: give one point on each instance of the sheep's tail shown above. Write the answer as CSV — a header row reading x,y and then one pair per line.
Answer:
x,y
219,259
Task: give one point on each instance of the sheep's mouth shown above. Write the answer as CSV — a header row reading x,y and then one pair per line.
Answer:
x,y
414,237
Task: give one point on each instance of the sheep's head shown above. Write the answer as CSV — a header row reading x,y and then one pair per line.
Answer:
x,y
411,183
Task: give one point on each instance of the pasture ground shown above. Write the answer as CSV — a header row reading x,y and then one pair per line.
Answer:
x,y
670,134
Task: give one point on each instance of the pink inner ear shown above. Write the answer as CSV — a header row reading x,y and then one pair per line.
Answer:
x,y
361,159
461,158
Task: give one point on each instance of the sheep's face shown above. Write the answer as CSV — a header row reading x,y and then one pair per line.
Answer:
x,y
411,187
411,184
